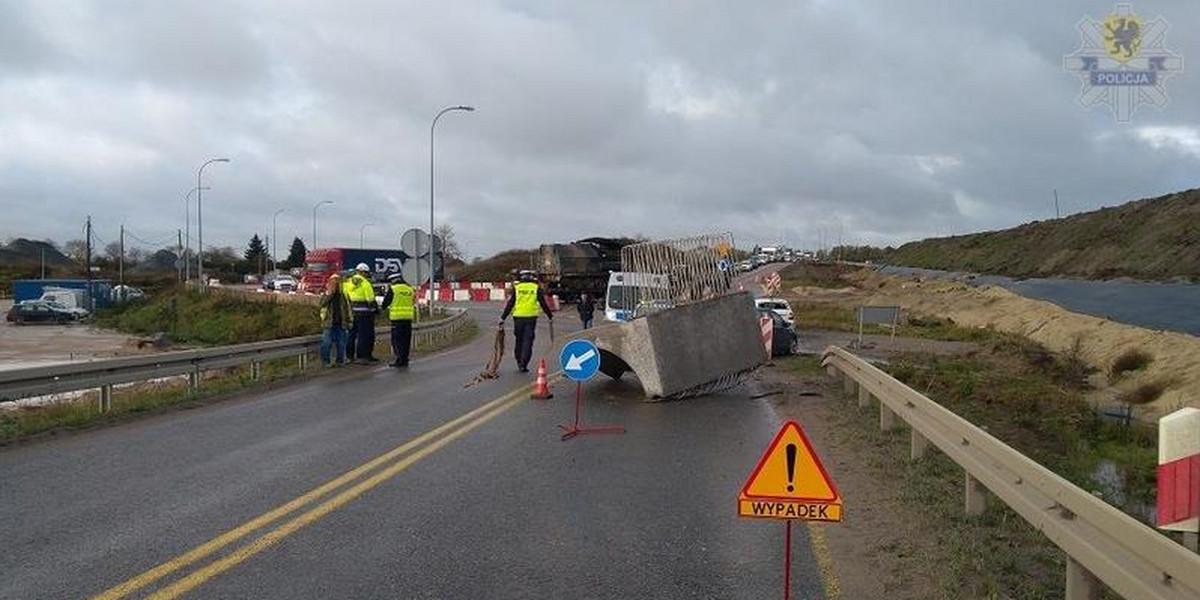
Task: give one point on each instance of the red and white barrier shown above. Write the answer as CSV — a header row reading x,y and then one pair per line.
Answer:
x,y
768,333
1179,471
466,291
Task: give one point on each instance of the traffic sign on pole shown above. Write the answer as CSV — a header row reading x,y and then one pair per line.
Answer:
x,y
579,360
790,482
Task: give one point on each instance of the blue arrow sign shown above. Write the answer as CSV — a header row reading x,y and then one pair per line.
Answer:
x,y
579,360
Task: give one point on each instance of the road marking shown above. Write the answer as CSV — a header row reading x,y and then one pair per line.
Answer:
x,y
238,556
825,569
131,585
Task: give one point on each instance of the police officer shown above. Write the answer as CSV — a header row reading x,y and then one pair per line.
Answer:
x,y
363,307
351,330
523,305
399,302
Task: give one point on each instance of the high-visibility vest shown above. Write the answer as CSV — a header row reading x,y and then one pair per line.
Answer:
x,y
401,308
526,304
361,295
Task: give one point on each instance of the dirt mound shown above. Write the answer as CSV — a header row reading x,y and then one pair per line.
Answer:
x,y
1175,363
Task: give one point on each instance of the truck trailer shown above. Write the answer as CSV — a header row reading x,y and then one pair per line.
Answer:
x,y
583,266
320,263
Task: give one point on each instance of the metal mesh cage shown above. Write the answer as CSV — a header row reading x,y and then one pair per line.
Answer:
x,y
663,274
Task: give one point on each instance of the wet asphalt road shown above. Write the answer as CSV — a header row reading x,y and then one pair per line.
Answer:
x,y
501,509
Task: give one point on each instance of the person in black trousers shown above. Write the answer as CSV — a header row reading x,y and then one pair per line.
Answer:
x,y
587,310
524,304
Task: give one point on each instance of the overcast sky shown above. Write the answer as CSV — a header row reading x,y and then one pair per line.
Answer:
x,y
881,120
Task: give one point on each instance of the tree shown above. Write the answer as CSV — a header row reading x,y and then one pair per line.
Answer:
x,y
296,254
76,250
447,245
113,251
256,254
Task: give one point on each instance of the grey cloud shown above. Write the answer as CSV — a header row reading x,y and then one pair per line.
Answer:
x,y
783,121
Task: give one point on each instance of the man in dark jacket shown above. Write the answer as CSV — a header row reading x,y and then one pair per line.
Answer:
x,y
335,320
587,310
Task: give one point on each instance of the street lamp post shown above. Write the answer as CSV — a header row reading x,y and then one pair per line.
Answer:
x,y
315,207
274,240
432,245
200,217
361,230
187,227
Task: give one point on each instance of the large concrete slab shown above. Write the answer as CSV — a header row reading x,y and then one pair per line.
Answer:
x,y
681,351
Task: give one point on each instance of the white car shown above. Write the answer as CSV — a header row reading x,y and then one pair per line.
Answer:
x,y
779,306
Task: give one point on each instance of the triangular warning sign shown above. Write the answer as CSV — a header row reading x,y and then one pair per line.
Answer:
x,y
790,482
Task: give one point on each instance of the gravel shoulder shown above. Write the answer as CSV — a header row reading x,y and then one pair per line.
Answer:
x,y
23,346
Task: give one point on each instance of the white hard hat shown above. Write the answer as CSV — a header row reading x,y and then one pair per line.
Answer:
x,y
362,267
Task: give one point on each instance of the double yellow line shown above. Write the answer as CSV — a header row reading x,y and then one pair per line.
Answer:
x,y
411,451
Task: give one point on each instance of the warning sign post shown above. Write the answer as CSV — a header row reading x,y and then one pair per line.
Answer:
x,y
790,483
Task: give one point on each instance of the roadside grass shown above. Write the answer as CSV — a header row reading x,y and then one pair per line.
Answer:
x,y
1035,408
190,317
172,394
837,317
819,275
1134,359
800,365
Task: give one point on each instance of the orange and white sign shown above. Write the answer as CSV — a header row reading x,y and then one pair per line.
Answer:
x,y
790,482
767,329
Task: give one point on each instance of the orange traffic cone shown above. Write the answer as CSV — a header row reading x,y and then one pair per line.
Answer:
x,y
541,389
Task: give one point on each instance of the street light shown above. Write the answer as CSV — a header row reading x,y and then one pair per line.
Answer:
x,y
200,217
315,206
360,233
432,245
187,228
274,242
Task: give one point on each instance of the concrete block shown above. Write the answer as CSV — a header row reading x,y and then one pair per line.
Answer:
x,y
677,352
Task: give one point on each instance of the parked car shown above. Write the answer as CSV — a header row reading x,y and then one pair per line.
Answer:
x,y
122,293
279,282
780,306
38,311
784,339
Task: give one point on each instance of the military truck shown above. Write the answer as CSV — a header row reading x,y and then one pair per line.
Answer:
x,y
583,266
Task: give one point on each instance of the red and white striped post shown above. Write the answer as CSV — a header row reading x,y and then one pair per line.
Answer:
x,y
768,333
1179,474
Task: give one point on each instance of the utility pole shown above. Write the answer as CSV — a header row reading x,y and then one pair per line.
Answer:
x,y
88,262
178,266
1056,215
121,261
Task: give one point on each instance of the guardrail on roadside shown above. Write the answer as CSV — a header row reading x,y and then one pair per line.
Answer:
x,y
1101,542
104,374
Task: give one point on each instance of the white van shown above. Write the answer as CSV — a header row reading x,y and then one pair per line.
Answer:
x,y
631,295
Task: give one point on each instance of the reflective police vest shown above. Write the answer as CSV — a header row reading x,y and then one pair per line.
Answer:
x,y
401,308
361,294
526,304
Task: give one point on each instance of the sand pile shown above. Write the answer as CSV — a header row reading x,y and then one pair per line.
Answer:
x,y
1176,356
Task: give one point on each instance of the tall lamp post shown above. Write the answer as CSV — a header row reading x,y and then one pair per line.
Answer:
x,y
274,240
432,245
361,230
187,228
315,207
200,217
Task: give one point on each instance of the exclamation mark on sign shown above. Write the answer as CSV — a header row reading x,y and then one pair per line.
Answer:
x,y
791,460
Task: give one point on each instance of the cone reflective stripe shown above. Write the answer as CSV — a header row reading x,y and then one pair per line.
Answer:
x,y
541,389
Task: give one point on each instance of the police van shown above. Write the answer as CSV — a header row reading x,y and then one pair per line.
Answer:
x,y
632,295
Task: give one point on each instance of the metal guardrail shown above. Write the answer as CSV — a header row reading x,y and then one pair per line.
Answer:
x,y
103,374
1101,542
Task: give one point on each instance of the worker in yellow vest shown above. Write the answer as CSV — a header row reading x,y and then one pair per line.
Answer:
x,y
363,307
351,330
524,304
400,303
